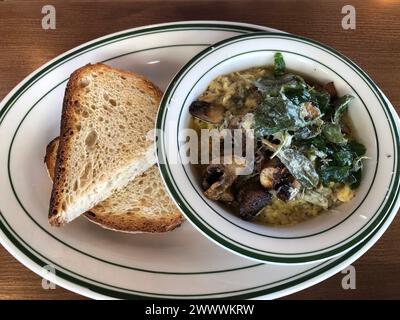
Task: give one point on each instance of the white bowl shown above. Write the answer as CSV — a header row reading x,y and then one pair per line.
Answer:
x,y
375,123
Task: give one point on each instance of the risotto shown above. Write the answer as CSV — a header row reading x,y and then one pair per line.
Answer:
x,y
306,159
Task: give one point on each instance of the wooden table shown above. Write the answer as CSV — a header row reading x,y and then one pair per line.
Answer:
x,y
374,45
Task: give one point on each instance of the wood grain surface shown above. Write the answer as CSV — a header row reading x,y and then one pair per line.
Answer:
x,y
374,45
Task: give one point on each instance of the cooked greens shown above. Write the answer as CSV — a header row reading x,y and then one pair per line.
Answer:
x,y
283,106
345,165
340,106
279,64
300,167
297,163
322,99
332,130
291,105
305,151
333,133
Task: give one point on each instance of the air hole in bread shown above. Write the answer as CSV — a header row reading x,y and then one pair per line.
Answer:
x,y
76,185
105,96
84,82
113,102
86,171
91,139
85,114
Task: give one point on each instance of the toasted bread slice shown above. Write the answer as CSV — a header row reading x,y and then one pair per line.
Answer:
x,y
141,206
106,117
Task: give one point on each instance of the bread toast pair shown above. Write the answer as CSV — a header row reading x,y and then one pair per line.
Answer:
x,y
103,157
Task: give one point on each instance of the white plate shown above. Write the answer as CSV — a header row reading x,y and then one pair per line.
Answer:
x,y
375,123
98,263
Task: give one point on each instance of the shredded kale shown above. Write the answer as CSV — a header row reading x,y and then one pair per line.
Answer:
x,y
285,107
300,167
357,148
341,105
271,85
346,161
279,64
343,158
333,133
333,174
322,100
296,162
